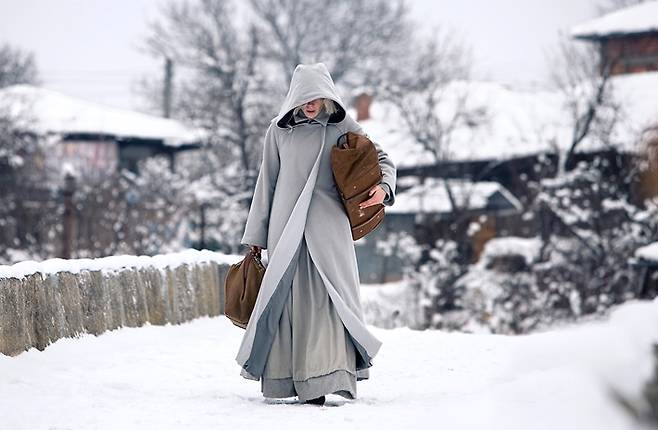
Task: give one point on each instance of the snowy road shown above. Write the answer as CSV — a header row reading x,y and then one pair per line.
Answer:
x,y
185,377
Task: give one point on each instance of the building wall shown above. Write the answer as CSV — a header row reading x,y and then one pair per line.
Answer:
x,y
91,160
635,53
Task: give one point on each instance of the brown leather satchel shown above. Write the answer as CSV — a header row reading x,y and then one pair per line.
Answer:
x,y
356,169
241,287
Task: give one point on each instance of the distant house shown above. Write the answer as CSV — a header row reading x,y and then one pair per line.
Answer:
x,y
488,206
628,38
93,139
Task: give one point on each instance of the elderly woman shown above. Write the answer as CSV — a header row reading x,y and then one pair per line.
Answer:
x,y
307,336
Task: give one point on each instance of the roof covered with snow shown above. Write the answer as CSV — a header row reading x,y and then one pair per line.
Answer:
x,y
54,112
430,196
641,18
527,247
649,252
517,122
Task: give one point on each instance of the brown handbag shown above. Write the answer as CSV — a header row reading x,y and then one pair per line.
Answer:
x,y
241,286
356,169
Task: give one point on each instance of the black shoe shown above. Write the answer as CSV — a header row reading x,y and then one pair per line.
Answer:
x,y
316,401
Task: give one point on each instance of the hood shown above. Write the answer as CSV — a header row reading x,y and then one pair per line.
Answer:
x,y
310,81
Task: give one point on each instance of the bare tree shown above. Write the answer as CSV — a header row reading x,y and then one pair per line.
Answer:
x,y
225,91
582,75
222,87
21,154
357,39
16,66
432,94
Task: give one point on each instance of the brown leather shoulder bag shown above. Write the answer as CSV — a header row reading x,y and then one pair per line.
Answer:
x,y
356,169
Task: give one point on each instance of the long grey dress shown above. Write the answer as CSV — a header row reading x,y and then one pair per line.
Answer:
x,y
312,354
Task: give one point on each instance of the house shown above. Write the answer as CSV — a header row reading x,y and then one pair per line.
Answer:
x,y
92,139
627,38
487,208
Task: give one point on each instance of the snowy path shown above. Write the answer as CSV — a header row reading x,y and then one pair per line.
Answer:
x,y
185,377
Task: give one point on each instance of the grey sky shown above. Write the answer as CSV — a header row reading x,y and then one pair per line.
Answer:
x,y
89,48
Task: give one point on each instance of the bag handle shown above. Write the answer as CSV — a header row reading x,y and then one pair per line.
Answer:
x,y
248,259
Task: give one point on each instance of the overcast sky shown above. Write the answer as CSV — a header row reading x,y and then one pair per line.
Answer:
x,y
90,48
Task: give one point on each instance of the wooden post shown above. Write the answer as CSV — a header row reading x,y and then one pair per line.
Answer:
x,y
69,215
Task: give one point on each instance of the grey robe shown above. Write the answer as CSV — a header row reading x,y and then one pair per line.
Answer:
x,y
296,207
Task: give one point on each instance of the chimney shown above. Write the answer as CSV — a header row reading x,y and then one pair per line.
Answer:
x,y
362,105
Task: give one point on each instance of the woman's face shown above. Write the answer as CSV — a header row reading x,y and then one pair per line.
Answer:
x,y
312,108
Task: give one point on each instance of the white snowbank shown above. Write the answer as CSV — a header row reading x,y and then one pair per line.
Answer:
x,y
649,252
639,18
115,262
185,376
390,305
54,112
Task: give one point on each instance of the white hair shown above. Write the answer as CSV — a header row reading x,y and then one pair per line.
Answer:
x,y
329,106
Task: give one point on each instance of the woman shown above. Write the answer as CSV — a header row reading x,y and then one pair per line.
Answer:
x,y
306,336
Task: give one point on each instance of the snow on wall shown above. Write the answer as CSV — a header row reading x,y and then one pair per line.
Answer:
x,y
114,263
640,18
58,113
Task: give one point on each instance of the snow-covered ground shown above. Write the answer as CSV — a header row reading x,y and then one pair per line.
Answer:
x,y
185,377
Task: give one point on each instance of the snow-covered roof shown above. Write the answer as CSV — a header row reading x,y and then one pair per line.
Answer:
x,y
649,252
518,122
54,112
641,18
431,196
527,247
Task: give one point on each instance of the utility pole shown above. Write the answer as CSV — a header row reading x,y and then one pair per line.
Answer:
x,y
167,89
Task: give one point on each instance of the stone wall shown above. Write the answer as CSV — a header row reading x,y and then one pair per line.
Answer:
x,y
39,308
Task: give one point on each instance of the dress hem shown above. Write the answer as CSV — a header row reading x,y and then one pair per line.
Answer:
x,y
341,382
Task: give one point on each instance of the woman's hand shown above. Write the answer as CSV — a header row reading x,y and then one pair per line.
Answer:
x,y
255,249
377,194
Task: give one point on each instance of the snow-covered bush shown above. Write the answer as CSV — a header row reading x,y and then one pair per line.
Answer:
x,y
430,272
593,231
499,293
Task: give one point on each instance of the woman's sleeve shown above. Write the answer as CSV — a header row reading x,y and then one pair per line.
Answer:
x,y
255,231
389,171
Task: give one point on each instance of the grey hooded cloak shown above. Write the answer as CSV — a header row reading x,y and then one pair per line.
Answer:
x,y
307,335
